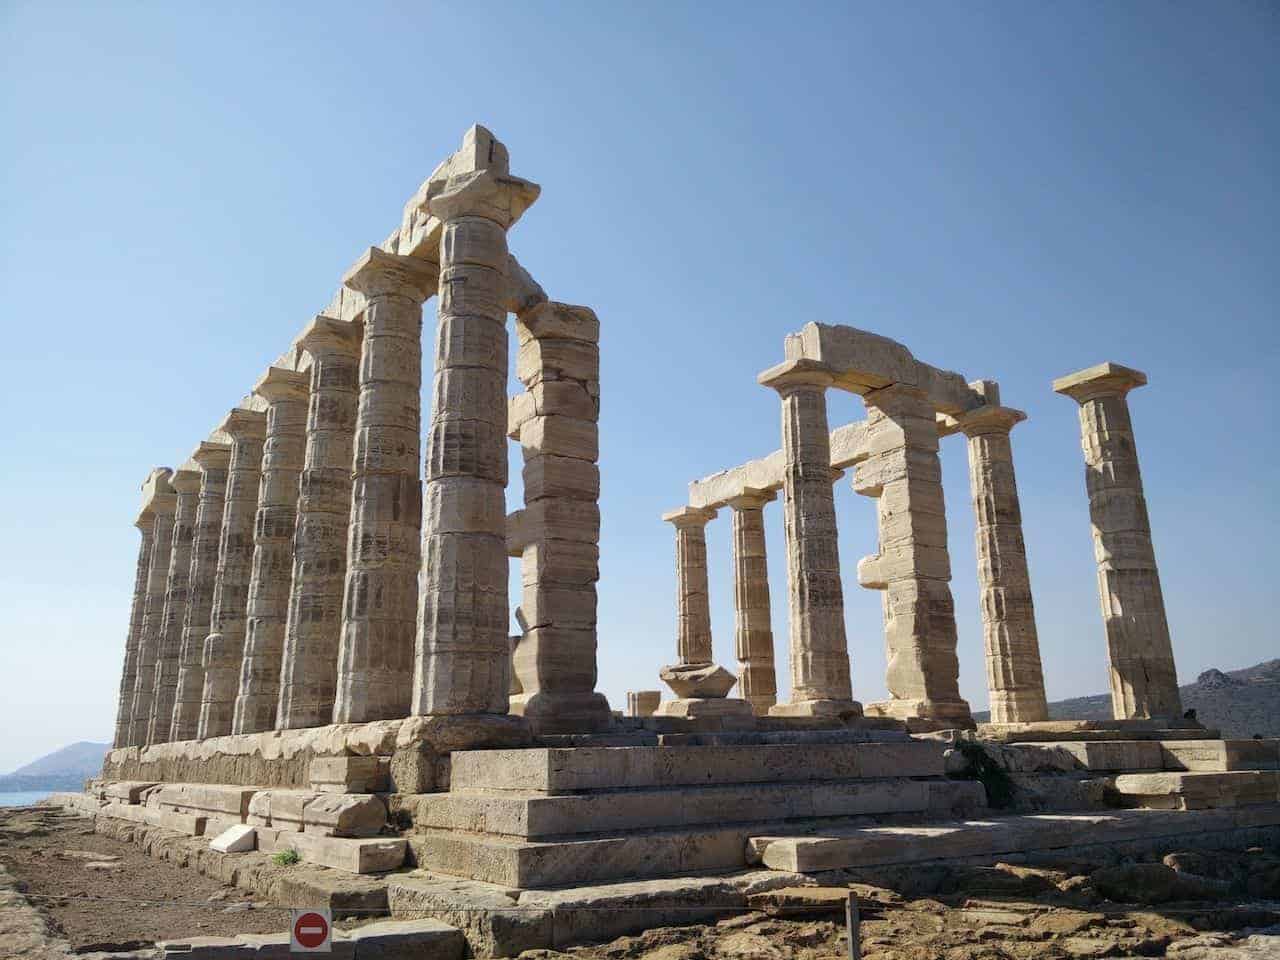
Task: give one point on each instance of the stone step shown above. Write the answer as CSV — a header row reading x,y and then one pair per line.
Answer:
x,y
1199,791
876,846
1094,730
1109,756
538,816
581,769
1221,755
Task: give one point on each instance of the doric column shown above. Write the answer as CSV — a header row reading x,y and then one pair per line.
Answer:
x,y
375,657
1015,680
268,604
753,633
163,505
1144,681
820,676
213,459
309,671
186,483
462,650
224,647
129,671
913,569
693,593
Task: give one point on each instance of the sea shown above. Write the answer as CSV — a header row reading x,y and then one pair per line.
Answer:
x,y
23,798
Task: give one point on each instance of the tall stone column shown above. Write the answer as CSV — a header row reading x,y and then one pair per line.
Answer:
x,y
1015,680
213,459
163,505
224,647
913,568
1144,681
129,671
375,657
269,582
462,656
309,671
821,684
186,483
757,678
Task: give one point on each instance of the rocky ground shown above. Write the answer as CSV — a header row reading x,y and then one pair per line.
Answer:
x,y
97,893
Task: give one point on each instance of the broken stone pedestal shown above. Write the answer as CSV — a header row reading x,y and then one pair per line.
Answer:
x,y
701,691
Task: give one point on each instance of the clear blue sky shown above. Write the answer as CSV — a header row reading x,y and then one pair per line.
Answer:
x,y
1013,190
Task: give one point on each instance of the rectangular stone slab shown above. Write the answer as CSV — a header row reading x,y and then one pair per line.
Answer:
x,y
1221,755
369,855
1189,790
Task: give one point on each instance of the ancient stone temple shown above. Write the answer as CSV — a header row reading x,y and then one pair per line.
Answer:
x,y
319,655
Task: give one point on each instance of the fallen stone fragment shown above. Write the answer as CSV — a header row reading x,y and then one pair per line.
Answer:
x,y
240,838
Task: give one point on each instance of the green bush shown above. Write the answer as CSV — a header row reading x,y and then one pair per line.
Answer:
x,y
286,858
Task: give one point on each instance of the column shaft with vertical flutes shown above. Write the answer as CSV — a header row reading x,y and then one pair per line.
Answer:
x,y
186,483
164,503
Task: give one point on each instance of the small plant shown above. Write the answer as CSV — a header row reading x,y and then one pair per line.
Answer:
x,y
286,858
987,772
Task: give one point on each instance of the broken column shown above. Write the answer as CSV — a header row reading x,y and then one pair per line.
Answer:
x,y
163,504
753,633
213,459
224,646
1015,679
913,569
556,422
821,684
268,599
309,669
129,670
186,484
375,656
462,648
1144,682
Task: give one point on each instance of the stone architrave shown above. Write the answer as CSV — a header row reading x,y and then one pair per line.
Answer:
x,y
913,568
375,654
556,422
268,600
1144,682
753,629
821,684
164,503
1015,678
213,459
309,670
186,483
224,647
462,647
129,671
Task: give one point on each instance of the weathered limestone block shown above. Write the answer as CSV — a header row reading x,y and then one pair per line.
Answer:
x,y
698,680
129,671
1144,681
375,659
309,670
912,567
693,605
186,483
213,459
164,503
820,677
224,647
344,815
753,634
270,579
347,774
642,703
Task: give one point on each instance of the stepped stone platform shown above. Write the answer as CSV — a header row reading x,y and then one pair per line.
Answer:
x,y
1135,729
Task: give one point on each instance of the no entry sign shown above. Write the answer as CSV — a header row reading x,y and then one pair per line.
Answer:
x,y
312,931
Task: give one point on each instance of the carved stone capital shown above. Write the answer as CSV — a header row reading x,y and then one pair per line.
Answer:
x,y
381,274
1104,380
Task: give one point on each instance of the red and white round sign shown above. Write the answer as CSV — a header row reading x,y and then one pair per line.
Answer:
x,y
311,931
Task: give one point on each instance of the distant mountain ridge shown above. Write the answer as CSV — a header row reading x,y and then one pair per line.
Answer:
x,y
1240,703
64,769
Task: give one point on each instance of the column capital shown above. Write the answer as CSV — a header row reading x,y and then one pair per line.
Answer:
x,y
380,274
211,455
157,492
751,498
792,375
186,481
325,334
242,424
1103,380
490,194
690,516
281,384
983,420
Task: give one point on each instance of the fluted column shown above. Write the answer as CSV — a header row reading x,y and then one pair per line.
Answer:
x,y
820,675
163,505
462,658
212,459
309,670
375,658
753,633
1015,679
224,647
268,604
1144,681
186,483
129,670
693,592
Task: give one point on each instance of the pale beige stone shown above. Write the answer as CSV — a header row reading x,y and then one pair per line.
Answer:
x,y
642,703
238,839
163,502
753,629
693,611
129,672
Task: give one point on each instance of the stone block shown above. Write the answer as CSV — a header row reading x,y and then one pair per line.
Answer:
x,y
225,801
697,680
347,774
560,436
1221,755
541,360
547,603
424,939
127,791
564,518
556,476
642,703
247,946
562,321
563,562
1199,791
237,839
488,916
371,855
345,815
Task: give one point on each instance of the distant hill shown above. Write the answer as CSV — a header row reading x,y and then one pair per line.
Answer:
x,y
64,769
1240,703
